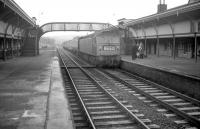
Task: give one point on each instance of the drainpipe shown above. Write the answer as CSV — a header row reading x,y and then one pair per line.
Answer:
x,y
195,47
12,42
4,48
145,42
174,44
158,45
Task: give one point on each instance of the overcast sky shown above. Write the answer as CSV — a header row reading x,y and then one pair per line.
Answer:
x,y
108,11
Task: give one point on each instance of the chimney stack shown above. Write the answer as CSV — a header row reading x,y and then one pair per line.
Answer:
x,y
162,6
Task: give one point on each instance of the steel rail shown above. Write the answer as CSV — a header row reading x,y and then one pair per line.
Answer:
x,y
82,61
127,111
191,119
194,101
80,99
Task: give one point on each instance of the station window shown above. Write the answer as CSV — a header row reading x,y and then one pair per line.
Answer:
x,y
185,46
165,46
1,44
198,26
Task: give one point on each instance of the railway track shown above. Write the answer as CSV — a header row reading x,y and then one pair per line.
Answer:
x,y
183,110
100,108
79,117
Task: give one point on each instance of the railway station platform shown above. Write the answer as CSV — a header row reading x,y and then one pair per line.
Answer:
x,y
182,75
180,66
32,93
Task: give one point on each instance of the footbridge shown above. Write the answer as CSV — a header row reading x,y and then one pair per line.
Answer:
x,y
72,26
36,32
66,26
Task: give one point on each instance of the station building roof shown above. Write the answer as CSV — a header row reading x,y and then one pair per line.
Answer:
x,y
9,9
190,10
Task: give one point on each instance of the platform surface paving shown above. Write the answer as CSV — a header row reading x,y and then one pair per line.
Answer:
x,y
177,65
27,98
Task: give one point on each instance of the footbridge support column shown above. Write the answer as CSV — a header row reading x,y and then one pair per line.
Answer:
x,y
30,47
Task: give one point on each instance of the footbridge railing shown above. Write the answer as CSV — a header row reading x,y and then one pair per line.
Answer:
x,y
73,26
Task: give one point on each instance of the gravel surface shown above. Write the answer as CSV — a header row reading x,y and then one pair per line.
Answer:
x,y
149,112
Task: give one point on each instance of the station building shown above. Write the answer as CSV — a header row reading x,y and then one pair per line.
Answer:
x,y
14,25
173,33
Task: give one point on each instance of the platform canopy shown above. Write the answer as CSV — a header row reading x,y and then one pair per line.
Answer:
x,y
73,26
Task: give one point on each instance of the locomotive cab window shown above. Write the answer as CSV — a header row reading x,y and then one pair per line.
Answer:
x,y
108,48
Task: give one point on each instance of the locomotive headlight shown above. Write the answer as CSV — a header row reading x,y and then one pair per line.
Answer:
x,y
117,47
100,48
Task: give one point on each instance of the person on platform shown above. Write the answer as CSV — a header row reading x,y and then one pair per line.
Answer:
x,y
141,50
134,51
